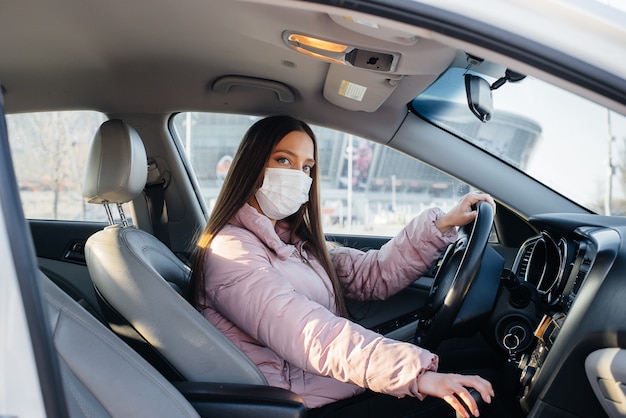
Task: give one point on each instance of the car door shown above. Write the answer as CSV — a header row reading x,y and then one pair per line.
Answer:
x,y
49,152
29,379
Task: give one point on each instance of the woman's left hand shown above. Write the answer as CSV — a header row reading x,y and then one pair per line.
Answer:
x,y
463,213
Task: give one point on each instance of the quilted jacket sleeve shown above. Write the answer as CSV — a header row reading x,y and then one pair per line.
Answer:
x,y
378,274
262,302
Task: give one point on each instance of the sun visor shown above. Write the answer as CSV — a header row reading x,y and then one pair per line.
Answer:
x,y
355,89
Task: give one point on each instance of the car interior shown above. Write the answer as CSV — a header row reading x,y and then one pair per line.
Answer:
x,y
533,291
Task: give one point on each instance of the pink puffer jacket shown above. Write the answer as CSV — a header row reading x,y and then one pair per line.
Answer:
x,y
276,303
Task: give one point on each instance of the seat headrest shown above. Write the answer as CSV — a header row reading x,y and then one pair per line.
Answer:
x,y
117,166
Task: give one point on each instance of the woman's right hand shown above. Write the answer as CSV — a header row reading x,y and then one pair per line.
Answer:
x,y
447,385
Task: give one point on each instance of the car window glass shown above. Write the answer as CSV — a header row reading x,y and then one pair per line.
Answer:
x,y
563,140
49,152
366,188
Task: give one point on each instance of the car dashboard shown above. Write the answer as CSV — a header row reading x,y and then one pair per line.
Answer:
x,y
565,298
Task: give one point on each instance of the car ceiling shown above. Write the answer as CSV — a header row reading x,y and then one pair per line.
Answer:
x,y
123,57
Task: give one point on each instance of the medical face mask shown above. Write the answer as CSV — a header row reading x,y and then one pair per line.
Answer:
x,y
283,192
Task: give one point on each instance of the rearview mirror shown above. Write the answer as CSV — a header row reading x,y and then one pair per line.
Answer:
x,y
479,97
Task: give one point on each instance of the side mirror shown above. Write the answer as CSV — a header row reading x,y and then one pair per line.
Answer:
x,y
479,97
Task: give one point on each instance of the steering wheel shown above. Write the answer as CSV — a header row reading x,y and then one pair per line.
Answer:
x,y
453,279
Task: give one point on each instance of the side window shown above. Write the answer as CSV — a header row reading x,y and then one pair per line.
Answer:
x,y
49,152
367,188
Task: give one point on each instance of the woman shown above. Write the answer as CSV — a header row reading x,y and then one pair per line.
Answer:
x,y
264,276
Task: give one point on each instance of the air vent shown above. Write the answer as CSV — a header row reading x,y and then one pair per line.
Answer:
x,y
520,266
523,267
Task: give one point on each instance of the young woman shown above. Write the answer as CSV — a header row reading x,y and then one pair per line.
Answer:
x,y
264,276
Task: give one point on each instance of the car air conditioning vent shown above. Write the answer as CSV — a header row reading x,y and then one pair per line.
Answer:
x,y
524,263
523,268
520,267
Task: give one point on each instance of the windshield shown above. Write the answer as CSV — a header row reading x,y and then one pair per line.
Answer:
x,y
568,143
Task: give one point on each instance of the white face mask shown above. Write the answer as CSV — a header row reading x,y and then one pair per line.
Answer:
x,y
283,192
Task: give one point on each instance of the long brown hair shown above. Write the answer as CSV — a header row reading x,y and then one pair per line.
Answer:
x,y
244,177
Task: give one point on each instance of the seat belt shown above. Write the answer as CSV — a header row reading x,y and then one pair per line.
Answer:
x,y
154,193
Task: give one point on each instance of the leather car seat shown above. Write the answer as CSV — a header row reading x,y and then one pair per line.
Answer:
x,y
141,278
102,376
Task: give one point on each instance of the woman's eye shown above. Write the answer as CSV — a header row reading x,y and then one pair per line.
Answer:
x,y
307,169
282,160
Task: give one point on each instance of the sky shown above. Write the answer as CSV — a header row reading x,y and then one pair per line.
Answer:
x,y
573,151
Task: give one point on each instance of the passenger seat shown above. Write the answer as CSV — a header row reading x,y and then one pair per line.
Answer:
x,y
103,377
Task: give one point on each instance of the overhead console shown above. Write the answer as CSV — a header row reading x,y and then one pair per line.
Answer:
x,y
369,59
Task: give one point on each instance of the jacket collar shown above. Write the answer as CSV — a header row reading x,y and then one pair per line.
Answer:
x,y
260,225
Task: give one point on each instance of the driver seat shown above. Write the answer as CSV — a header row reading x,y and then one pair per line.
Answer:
x,y
141,278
